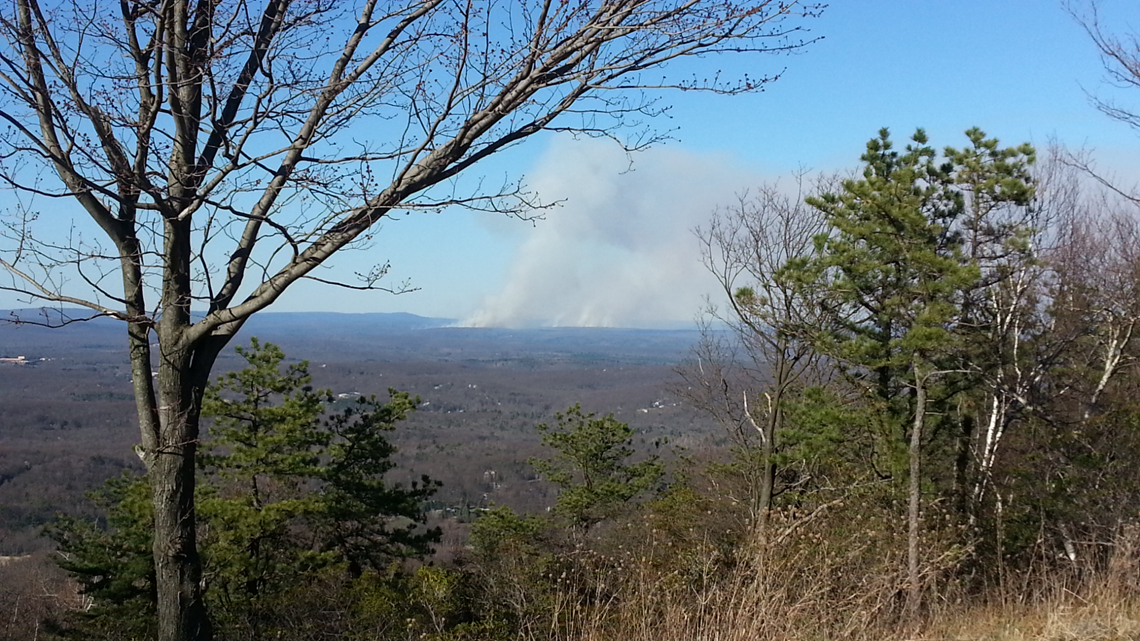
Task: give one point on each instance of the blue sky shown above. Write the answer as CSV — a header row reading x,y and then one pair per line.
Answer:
x,y
1021,70
620,248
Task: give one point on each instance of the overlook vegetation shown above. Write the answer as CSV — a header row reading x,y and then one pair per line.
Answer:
x,y
925,378
923,373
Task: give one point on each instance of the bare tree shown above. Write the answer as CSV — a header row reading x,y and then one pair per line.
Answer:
x,y
1120,55
1099,254
1096,294
1056,321
226,149
746,248
1088,351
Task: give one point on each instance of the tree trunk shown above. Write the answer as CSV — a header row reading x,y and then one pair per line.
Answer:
x,y
168,423
178,568
774,426
963,488
768,464
914,590
183,372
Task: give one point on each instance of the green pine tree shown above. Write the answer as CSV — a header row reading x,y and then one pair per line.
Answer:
x,y
112,562
894,275
286,491
590,466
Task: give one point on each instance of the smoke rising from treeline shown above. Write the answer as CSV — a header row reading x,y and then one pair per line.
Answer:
x,y
619,251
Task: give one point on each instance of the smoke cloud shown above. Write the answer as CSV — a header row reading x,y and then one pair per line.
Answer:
x,y
620,250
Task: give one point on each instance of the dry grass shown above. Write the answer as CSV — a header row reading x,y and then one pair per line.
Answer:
x,y
823,583
817,584
1066,618
1105,607
847,592
747,612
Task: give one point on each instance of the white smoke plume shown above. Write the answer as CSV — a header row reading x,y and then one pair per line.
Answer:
x,y
620,251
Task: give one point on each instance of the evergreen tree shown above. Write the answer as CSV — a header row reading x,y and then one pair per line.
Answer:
x,y
895,277
284,492
287,492
590,466
891,268
112,562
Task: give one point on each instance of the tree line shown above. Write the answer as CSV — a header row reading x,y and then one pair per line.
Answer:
x,y
957,325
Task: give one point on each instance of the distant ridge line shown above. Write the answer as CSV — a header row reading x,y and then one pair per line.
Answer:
x,y
275,320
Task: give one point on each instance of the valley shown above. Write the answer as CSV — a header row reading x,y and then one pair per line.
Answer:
x,y
67,416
